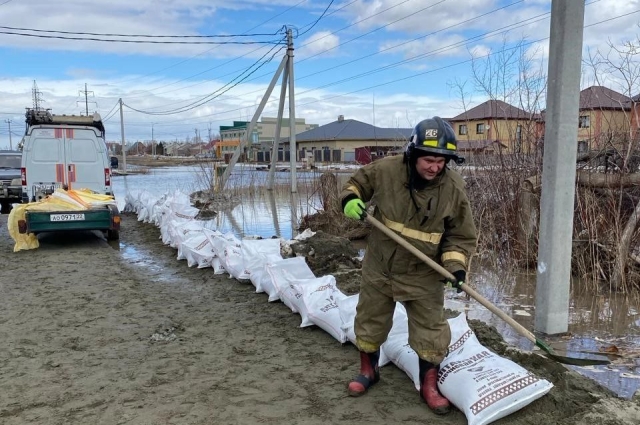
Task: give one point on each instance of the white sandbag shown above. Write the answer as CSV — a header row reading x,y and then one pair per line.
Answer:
x,y
198,250
216,263
229,249
319,305
179,232
483,385
283,275
256,255
396,348
347,310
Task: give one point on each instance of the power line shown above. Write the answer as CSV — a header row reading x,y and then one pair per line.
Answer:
x,y
216,93
213,48
311,42
317,20
142,35
136,41
110,114
2,4
442,49
519,46
195,75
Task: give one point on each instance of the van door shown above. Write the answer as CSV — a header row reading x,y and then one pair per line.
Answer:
x,y
85,160
43,163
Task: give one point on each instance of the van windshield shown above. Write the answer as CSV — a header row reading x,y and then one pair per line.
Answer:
x,y
10,161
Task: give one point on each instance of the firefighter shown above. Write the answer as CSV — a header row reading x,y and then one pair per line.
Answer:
x,y
424,201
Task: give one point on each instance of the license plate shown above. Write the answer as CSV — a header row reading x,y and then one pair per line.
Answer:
x,y
67,217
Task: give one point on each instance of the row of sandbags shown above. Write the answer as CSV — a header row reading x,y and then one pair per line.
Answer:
x,y
483,385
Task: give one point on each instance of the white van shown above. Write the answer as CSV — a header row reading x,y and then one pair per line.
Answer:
x,y
67,151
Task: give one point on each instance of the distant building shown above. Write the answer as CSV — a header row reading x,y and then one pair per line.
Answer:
x,y
496,126
349,140
262,136
605,118
635,116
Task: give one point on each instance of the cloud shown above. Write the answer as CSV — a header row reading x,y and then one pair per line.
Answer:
x,y
317,106
149,17
318,43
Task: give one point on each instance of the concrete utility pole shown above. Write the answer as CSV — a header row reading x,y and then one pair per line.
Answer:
x,y
276,139
256,115
559,167
292,113
124,146
10,141
153,142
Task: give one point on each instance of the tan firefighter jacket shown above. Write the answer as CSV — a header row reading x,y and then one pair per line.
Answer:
x,y
442,228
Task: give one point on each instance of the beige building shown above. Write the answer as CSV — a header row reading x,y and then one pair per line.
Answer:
x,y
497,125
604,119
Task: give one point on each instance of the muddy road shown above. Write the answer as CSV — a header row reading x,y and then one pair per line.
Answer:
x,y
92,334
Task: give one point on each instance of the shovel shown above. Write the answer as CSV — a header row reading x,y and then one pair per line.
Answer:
x,y
485,302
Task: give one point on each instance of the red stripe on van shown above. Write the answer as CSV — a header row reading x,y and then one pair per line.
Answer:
x,y
60,173
69,133
58,133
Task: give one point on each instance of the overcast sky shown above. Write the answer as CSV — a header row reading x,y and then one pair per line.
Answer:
x,y
402,59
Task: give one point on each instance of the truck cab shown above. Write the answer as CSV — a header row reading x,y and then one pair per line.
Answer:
x,y
10,181
67,151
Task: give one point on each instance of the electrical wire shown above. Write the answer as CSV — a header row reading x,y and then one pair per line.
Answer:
x,y
208,97
431,53
136,41
216,93
141,35
215,47
317,20
109,114
318,54
195,75
519,46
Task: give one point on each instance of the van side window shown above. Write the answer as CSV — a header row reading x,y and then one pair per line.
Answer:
x,y
82,150
46,150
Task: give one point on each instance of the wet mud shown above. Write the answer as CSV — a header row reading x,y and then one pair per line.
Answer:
x,y
93,334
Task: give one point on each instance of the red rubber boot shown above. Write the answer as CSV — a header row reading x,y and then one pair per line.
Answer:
x,y
369,374
429,389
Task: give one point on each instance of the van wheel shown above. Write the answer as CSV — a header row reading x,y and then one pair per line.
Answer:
x,y
113,235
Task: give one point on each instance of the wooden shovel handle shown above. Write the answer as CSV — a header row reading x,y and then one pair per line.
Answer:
x,y
466,288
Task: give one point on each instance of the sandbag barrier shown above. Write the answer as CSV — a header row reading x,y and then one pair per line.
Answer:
x,y
483,385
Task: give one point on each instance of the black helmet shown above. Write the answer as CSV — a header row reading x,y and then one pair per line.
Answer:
x,y
436,137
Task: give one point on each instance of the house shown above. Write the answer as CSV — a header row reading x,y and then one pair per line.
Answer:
x,y
605,117
635,116
498,125
339,140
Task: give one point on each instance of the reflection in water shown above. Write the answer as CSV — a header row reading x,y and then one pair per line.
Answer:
x,y
596,321
294,213
274,212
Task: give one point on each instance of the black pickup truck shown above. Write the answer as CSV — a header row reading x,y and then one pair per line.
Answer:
x,y
10,179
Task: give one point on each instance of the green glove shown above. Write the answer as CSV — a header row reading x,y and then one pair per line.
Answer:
x,y
355,209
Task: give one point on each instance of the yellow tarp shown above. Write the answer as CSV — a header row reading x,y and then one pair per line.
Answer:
x,y
60,200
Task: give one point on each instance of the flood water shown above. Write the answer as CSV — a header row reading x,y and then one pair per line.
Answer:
x,y
597,321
